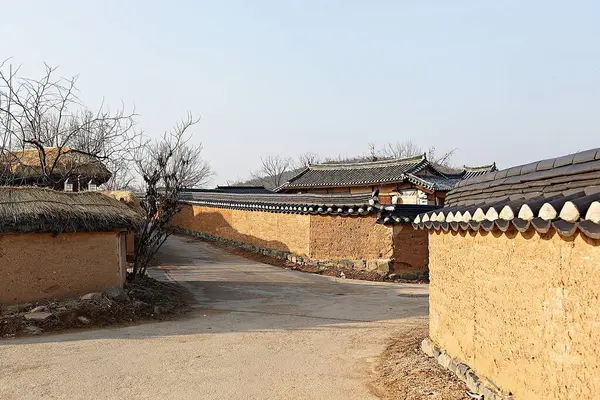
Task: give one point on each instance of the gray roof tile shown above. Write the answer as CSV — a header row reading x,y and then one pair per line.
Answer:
x,y
543,192
381,172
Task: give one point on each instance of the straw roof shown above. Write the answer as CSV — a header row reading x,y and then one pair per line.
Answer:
x,y
29,209
125,196
26,164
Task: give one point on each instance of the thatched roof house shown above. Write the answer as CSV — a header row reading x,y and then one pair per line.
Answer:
x,y
28,209
64,167
57,244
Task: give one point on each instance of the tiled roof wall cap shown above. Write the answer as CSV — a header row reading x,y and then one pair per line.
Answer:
x,y
362,204
567,214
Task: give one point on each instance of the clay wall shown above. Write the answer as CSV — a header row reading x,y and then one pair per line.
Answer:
x,y
521,309
43,266
317,237
285,232
349,238
411,249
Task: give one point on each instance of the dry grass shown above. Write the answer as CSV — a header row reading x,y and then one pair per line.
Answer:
x,y
26,163
406,373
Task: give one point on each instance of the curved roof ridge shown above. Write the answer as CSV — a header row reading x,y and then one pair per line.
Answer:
x,y
490,167
367,164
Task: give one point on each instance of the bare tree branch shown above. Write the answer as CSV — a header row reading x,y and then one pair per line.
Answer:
x,y
306,159
45,114
272,172
166,166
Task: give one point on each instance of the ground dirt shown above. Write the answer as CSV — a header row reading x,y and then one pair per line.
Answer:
x,y
148,299
255,332
406,373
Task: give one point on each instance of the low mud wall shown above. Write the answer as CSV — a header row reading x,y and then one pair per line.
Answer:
x,y
356,241
521,309
35,267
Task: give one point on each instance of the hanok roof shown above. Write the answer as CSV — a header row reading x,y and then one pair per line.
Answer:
x,y
243,189
29,209
380,172
26,164
562,192
345,205
469,172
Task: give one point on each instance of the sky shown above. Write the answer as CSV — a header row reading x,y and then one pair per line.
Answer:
x,y
507,81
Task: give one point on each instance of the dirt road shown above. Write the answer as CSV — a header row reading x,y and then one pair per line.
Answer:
x,y
258,332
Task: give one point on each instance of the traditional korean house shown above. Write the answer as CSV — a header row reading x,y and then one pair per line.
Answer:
x,y
514,261
412,180
55,244
65,169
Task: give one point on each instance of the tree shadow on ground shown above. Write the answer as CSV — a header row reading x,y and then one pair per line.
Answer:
x,y
234,294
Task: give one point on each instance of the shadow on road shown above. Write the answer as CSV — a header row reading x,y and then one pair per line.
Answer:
x,y
238,295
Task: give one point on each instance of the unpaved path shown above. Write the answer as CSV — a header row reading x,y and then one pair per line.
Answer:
x,y
258,332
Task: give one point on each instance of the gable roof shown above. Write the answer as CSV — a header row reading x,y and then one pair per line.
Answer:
x,y
381,172
562,192
26,164
30,209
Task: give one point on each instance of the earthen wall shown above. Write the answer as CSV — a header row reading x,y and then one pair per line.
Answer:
x,y
521,309
44,266
316,237
411,249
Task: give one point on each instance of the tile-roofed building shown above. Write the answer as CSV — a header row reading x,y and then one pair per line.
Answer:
x,y
412,180
513,264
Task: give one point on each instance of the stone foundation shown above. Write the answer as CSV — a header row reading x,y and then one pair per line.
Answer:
x,y
476,385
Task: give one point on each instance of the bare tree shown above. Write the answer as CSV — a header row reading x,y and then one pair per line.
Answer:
x,y
166,166
402,149
272,172
408,148
306,159
45,117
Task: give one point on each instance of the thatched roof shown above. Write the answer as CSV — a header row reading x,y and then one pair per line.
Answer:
x,y
26,164
125,196
28,209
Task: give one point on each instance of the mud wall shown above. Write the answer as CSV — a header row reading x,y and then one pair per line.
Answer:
x,y
42,266
411,249
285,232
314,236
349,238
520,309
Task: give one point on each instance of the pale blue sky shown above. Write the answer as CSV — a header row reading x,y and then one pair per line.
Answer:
x,y
505,81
